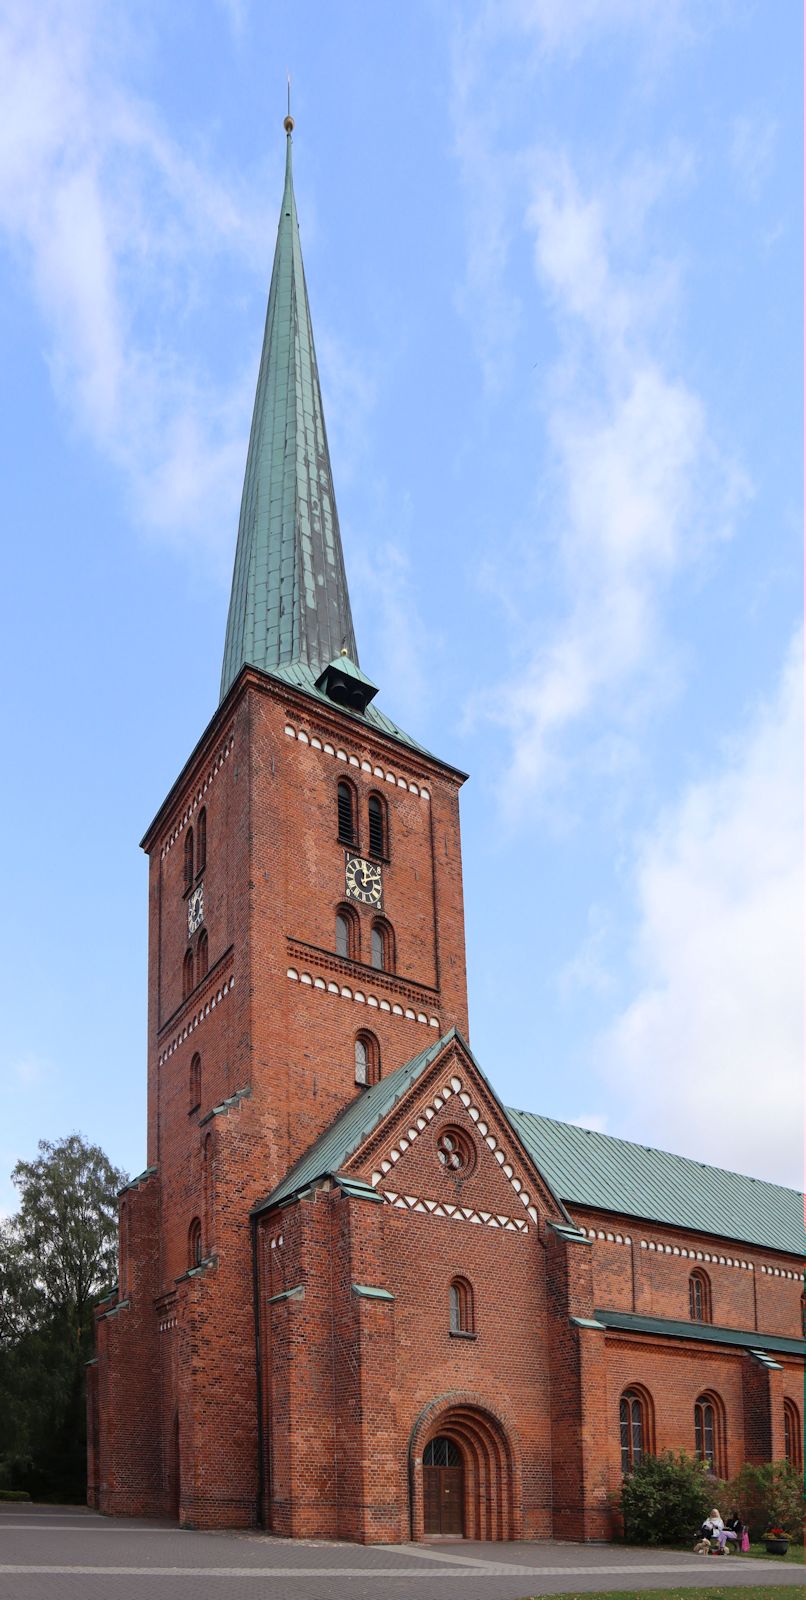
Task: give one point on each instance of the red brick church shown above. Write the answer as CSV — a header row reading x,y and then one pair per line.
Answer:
x,y
359,1297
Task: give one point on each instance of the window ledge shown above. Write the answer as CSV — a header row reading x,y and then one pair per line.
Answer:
x,y
461,1333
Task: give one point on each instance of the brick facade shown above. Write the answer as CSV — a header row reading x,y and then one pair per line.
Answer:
x,y
290,1370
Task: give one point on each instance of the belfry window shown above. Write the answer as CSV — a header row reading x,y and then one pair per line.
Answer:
x,y
377,826
202,956
188,858
346,814
201,841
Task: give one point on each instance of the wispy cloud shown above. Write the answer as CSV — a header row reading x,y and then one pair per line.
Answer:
x,y
708,1055
639,487
108,216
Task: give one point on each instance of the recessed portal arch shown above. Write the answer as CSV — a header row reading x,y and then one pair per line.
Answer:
x,y
480,1467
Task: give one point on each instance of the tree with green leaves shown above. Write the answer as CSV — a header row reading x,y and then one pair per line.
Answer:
x,y
57,1256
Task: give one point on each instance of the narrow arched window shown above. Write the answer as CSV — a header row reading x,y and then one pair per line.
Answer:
x,y
347,934
382,947
188,858
346,813
201,956
195,1082
633,1429
195,1256
367,1059
201,840
378,827
793,1436
187,974
709,1433
699,1297
461,1305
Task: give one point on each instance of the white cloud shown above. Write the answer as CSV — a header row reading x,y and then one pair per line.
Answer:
x,y
108,217
640,490
708,1056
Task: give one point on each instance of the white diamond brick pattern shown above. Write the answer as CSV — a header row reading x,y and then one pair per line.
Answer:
x,y
216,999
441,1209
187,815
358,996
339,754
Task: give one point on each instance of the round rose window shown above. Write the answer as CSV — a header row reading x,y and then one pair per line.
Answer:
x,y
455,1150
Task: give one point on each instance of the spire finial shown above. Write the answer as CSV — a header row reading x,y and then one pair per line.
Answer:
x,y
288,120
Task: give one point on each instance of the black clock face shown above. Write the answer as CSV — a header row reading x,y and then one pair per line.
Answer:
x,y
364,881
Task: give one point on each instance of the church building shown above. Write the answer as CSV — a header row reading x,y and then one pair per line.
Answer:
x,y
359,1297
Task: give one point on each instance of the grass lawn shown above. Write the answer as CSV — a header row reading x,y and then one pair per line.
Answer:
x,y
757,1592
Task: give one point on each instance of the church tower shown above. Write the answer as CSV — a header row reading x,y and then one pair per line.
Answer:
x,y
306,939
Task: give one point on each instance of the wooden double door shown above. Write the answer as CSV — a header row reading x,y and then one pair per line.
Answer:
x,y
443,1488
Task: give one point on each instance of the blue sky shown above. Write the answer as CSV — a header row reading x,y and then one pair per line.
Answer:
x,y
553,254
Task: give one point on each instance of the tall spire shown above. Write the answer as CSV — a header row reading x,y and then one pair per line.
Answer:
x,y
289,599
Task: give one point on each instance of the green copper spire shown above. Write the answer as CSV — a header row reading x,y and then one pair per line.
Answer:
x,y
289,601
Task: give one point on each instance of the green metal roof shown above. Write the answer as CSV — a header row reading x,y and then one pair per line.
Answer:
x,y
289,590
354,1125
594,1169
705,1332
302,676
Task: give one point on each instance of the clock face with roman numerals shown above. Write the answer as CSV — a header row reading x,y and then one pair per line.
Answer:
x,y
363,881
195,909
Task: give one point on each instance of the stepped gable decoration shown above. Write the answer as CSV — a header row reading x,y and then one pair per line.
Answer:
x,y
289,599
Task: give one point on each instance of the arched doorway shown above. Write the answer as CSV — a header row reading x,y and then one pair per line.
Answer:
x,y
443,1488
461,1452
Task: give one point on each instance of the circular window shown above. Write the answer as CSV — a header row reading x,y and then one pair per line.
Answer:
x,y
455,1150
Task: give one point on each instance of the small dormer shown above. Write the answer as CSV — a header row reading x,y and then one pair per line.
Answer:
x,y
346,685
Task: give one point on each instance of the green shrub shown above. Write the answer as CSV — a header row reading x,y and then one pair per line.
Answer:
x,y
768,1496
665,1500
14,1494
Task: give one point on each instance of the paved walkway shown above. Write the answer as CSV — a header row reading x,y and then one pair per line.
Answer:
x,y
58,1553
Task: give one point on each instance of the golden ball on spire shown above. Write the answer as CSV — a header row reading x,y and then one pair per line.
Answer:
x,y
288,124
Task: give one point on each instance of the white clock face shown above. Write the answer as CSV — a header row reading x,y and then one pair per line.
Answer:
x,y
363,881
196,909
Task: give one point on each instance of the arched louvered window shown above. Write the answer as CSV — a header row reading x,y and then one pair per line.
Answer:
x,y
461,1305
699,1296
195,1255
635,1428
346,813
378,827
201,840
195,1082
187,974
188,858
367,1059
202,957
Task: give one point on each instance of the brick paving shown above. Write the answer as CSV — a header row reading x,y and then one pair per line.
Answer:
x,y
70,1554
